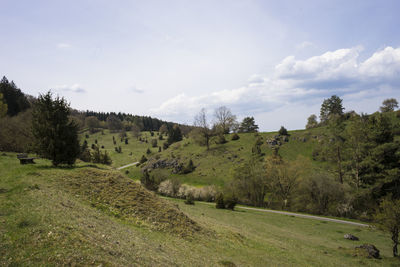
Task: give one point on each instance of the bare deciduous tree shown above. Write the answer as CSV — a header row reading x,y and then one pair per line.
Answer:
x,y
224,119
200,121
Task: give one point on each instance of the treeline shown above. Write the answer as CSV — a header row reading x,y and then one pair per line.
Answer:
x,y
146,123
16,120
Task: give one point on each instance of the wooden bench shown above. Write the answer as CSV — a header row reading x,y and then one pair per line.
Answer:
x,y
24,159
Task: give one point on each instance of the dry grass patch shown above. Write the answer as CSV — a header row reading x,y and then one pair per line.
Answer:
x,y
123,198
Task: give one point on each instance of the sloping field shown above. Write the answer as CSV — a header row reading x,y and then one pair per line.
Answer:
x,y
91,215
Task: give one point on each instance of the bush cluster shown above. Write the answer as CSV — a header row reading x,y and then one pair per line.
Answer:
x,y
95,156
235,137
225,201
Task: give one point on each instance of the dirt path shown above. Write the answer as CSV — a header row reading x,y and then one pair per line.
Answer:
x,y
126,166
294,214
305,216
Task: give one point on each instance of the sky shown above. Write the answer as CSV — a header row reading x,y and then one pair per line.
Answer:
x,y
273,60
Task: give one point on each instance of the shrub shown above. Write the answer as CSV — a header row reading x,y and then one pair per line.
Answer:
x,y
143,159
148,151
95,141
126,141
99,157
235,137
189,199
86,136
105,158
154,142
102,147
189,167
148,181
230,201
151,133
118,149
165,188
85,155
160,137
174,134
283,131
219,201
220,139
170,188
207,193
165,145
159,149
152,182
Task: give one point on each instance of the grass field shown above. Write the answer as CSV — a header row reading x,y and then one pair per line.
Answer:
x,y
48,217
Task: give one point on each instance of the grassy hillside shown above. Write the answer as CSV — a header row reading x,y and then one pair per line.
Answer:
x,y
91,215
131,152
213,167
216,165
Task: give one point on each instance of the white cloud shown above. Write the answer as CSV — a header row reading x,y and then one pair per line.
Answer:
x,y
75,88
330,65
301,83
384,64
304,45
136,90
63,45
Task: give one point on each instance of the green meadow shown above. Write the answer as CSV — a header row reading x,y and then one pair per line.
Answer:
x,y
66,216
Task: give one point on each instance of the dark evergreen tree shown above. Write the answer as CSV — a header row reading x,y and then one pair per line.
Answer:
x,y
248,125
143,159
174,135
56,137
283,131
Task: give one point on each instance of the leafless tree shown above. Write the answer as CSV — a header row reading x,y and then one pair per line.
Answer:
x,y
203,127
224,119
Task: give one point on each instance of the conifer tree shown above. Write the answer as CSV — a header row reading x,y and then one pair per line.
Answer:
x,y
56,137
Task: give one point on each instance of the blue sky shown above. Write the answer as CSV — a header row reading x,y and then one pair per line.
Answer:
x,y
274,60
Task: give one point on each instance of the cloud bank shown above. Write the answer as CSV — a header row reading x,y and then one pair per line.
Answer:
x,y
301,83
75,88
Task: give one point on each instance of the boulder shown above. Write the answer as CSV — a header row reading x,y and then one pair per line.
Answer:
x,y
371,250
351,237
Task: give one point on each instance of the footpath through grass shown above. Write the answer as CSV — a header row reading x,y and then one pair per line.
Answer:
x,y
45,222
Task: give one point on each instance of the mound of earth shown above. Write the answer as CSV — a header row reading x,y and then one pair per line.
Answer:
x,y
120,196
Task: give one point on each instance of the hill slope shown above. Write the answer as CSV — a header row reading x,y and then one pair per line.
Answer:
x,y
87,215
216,166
